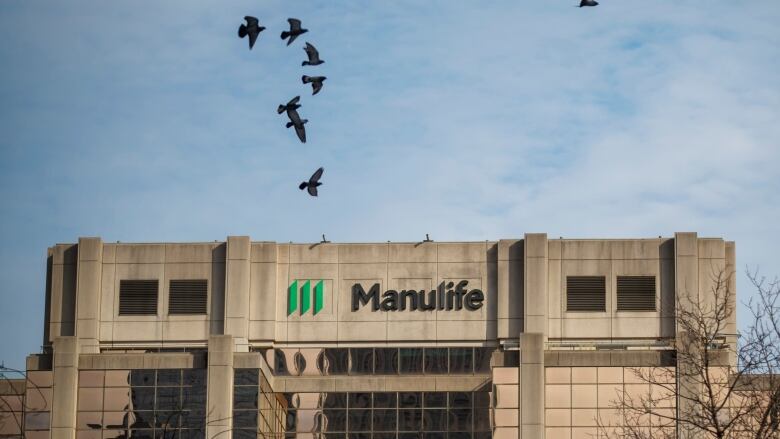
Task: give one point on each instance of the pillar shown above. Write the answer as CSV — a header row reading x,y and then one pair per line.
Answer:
x,y
219,402
65,388
237,269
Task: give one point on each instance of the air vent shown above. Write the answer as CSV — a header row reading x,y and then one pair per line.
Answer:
x,y
636,293
188,296
137,297
585,293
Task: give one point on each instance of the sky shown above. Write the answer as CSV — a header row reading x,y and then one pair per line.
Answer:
x,y
141,121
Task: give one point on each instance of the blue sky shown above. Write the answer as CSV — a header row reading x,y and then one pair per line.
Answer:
x,y
149,121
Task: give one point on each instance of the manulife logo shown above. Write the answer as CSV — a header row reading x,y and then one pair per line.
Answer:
x,y
304,292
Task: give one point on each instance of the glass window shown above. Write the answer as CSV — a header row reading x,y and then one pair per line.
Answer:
x,y
409,399
461,360
482,359
142,377
384,420
281,362
334,400
411,360
195,377
335,420
384,400
170,377
435,420
409,420
359,420
460,400
142,398
142,419
168,398
460,420
436,360
436,399
360,400
245,397
167,420
386,361
362,361
335,361
193,398
246,377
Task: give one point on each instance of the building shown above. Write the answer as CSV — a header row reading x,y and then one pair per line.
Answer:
x,y
514,338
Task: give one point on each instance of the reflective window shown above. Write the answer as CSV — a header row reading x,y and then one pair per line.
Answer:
x,y
386,361
436,360
411,361
362,361
335,361
161,403
461,360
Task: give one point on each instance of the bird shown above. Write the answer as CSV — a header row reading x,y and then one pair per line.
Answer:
x,y
315,81
252,28
314,56
295,30
295,119
588,3
312,184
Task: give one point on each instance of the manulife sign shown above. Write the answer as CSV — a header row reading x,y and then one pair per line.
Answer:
x,y
304,293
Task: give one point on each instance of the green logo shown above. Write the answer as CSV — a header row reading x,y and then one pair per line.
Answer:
x,y
305,295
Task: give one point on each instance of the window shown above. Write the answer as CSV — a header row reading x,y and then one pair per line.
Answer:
x,y
137,297
586,293
188,296
636,293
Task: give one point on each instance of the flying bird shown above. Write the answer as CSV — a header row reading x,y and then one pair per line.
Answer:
x,y
314,56
295,119
315,81
295,30
252,28
588,3
311,186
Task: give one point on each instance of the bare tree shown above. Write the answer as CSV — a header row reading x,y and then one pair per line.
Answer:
x,y
720,388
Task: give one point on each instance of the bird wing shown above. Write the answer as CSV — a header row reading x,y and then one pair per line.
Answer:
x,y
312,190
294,100
301,132
311,52
316,176
303,185
316,87
295,24
251,21
253,34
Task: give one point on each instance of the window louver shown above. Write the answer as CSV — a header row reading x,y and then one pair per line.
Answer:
x,y
137,297
636,293
585,293
188,296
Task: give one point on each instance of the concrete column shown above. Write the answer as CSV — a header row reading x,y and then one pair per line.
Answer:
x,y
731,329
535,284
220,387
88,278
531,398
686,280
62,294
237,270
65,388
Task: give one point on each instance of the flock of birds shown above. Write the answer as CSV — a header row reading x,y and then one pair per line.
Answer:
x,y
251,30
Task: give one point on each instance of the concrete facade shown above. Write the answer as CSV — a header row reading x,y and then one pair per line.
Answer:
x,y
264,296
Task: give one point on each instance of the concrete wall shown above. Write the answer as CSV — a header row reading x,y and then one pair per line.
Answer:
x,y
248,289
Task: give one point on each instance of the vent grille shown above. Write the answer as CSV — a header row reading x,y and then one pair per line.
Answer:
x,y
137,297
585,293
188,296
636,293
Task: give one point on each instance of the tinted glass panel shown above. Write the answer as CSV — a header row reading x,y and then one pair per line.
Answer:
x,y
193,398
411,360
245,397
362,361
246,377
436,360
435,420
280,363
461,360
385,400
168,398
194,377
360,400
335,361
170,377
386,361
460,399
142,398
142,377
460,420
335,400
482,359
409,420
384,420
245,419
359,420
436,399
409,399
336,419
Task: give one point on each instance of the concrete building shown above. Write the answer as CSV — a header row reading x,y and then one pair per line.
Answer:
x,y
517,338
